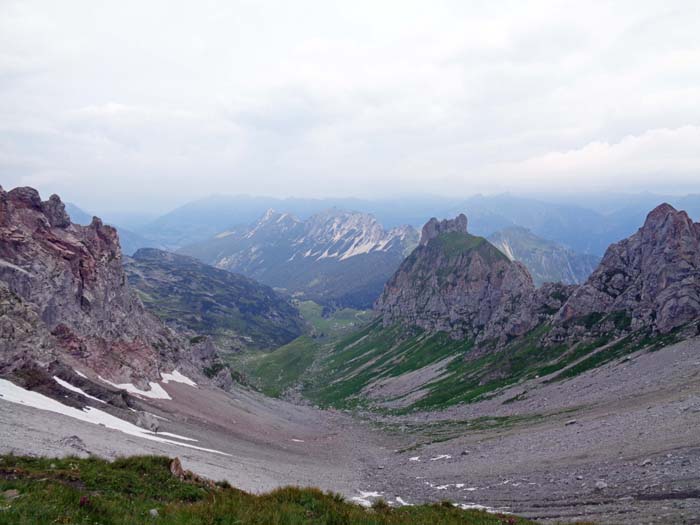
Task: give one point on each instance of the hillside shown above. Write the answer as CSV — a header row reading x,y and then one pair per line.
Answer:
x,y
198,299
452,330
335,257
547,261
144,489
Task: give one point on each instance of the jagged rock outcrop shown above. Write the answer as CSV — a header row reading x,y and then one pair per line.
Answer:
x,y
434,228
461,284
64,295
653,277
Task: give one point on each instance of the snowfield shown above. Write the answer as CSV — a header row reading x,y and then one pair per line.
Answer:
x,y
15,394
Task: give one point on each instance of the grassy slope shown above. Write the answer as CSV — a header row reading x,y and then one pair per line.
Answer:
x,y
274,372
376,352
338,322
89,491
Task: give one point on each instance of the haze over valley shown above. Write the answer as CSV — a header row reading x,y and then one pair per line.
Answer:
x,y
349,263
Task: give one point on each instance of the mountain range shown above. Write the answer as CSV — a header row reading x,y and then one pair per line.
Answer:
x,y
334,257
547,261
466,366
459,319
586,223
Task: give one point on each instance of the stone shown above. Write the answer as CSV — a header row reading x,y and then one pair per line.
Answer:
x,y
651,277
153,513
601,485
570,422
176,469
65,297
458,283
10,495
148,421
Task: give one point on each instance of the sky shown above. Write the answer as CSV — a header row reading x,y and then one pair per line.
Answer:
x,y
132,105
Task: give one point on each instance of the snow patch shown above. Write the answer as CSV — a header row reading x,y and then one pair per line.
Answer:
x,y
80,373
156,391
176,436
475,506
402,502
441,456
297,440
177,377
364,498
414,458
68,386
15,394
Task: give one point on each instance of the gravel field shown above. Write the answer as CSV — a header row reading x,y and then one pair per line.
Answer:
x,y
620,444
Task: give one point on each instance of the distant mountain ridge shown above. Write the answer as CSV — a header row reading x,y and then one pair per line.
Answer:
x,y
195,298
334,257
547,261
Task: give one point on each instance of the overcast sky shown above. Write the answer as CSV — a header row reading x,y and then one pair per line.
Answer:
x,y
147,104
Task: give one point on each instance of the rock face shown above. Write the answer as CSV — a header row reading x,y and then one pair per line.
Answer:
x,y
461,284
64,295
336,257
547,261
653,276
198,299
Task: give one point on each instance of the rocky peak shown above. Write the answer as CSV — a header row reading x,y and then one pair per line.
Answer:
x,y
55,211
458,283
71,277
653,277
24,197
433,228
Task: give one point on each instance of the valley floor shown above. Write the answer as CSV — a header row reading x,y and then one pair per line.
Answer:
x,y
619,444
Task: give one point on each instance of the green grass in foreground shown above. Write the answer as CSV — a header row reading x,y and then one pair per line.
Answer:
x,y
91,491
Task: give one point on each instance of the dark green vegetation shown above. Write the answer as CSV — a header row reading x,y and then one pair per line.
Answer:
x,y
89,491
433,371
234,310
454,244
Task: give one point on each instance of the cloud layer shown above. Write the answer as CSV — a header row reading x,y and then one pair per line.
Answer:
x,y
138,104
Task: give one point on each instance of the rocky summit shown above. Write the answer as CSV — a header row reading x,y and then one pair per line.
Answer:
x,y
457,283
461,284
653,277
64,297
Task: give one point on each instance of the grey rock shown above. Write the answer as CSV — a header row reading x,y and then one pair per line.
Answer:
x,y
64,297
147,421
601,485
458,283
153,513
652,276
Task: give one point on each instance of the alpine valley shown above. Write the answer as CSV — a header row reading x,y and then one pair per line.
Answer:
x,y
510,367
